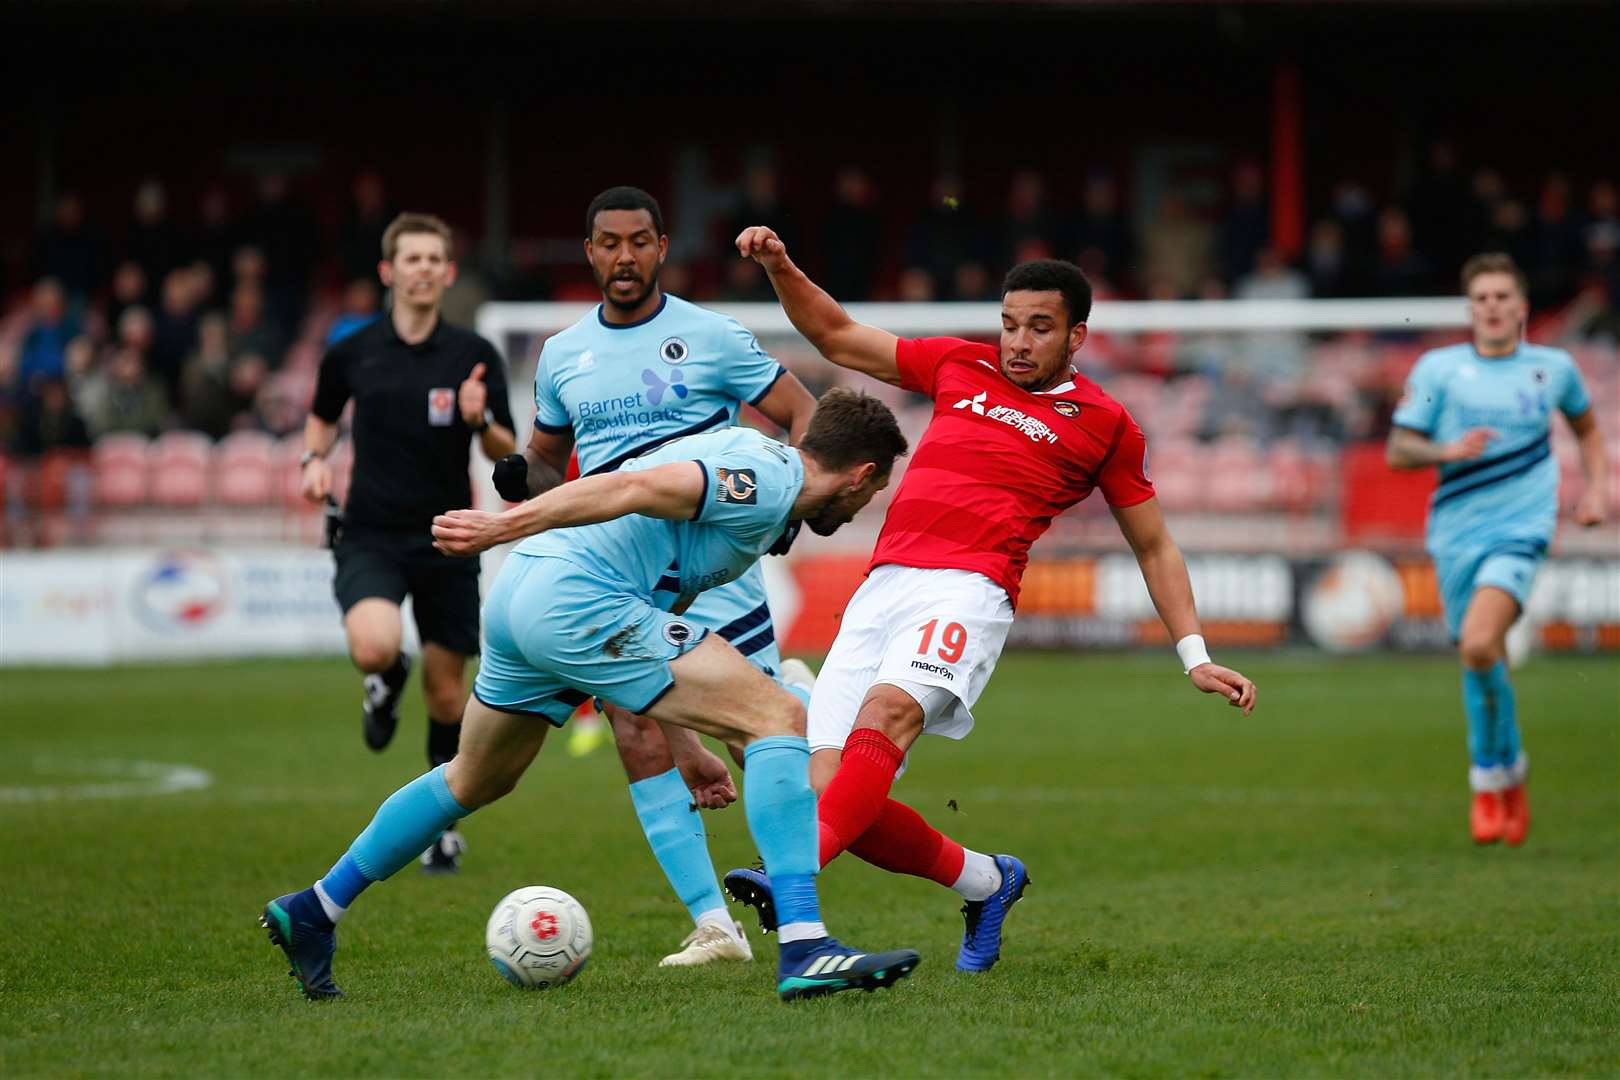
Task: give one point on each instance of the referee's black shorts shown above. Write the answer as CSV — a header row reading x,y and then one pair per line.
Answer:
x,y
388,564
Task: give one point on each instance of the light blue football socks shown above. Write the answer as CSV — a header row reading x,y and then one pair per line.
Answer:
x,y
1493,724
782,817
675,833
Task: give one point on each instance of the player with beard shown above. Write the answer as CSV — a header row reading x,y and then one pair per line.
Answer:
x,y
1016,438
640,370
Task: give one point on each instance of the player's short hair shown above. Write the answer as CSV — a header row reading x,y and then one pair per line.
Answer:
x,y
850,428
1052,275
623,197
1494,262
414,223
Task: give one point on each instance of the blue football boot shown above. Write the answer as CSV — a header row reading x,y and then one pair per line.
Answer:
x,y
981,940
752,888
307,938
822,966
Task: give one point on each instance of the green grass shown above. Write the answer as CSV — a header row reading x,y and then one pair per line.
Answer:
x,y
1291,894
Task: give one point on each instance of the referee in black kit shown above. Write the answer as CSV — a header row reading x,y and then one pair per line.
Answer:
x,y
421,390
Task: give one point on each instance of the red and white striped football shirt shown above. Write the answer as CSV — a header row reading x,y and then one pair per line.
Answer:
x,y
998,463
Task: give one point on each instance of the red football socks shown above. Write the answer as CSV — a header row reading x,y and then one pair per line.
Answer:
x,y
860,787
901,842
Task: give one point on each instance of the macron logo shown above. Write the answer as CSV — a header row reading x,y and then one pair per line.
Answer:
x,y
976,403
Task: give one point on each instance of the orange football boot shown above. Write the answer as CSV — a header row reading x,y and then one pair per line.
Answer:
x,y
1516,815
1488,818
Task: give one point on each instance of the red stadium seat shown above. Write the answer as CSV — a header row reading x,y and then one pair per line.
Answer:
x,y
245,469
120,463
181,463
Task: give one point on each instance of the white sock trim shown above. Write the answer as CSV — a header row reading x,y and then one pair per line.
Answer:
x,y
328,905
800,931
718,917
980,877
1519,770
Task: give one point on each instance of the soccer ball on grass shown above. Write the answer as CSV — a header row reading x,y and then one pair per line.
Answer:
x,y
538,937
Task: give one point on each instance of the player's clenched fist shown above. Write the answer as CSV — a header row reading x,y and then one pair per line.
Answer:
x,y
1214,679
317,479
473,397
467,532
763,246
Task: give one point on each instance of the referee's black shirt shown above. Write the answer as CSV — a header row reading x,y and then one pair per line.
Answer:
x,y
411,447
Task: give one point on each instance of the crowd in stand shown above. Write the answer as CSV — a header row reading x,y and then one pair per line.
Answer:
x,y
216,323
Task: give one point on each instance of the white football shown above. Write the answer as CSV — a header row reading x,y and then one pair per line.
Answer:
x,y
538,937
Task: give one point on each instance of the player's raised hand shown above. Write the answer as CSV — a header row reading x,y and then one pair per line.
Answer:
x,y
473,397
1592,508
1214,679
467,532
1471,445
763,246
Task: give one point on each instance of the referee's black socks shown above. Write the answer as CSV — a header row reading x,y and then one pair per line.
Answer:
x,y
442,741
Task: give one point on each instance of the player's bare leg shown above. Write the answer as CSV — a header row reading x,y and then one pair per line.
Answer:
x,y
717,692
444,688
669,819
1500,808
496,748
374,631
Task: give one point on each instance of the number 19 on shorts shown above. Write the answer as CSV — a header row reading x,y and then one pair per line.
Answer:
x,y
952,640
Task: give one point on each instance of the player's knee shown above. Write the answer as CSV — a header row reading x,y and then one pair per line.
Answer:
x,y
475,780
371,656
1478,651
895,714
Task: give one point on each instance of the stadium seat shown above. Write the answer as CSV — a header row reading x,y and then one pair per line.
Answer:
x,y
245,469
180,464
120,464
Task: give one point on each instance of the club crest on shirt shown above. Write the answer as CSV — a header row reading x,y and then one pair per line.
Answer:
x,y
673,351
679,633
441,406
1066,408
737,486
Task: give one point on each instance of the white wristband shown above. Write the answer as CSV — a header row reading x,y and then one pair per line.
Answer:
x,y
1192,651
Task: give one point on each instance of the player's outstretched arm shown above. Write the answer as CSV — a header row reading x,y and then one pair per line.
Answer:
x,y
669,491
816,315
1165,572
1593,506
1409,449
536,470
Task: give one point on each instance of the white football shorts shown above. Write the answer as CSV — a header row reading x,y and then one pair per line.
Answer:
x,y
908,625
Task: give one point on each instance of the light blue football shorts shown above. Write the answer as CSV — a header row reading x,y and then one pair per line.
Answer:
x,y
1509,566
556,634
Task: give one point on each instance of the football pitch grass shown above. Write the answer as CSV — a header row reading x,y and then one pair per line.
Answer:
x,y
1290,894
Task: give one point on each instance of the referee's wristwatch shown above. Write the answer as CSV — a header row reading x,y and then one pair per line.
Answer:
x,y
309,456
489,418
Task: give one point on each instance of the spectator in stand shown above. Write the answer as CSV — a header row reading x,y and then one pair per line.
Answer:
x,y
154,243
1100,241
1327,264
1486,190
1246,228
215,389
972,281
128,289
1273,279
1602,229
1399,270
216,240
746,283
251,328
916,286
362,302
1278,353
48,421
1509,232
1178,249
1353,210
945,236
1560,245
760,203
44,347
1440,210
283,228
1029,217
360,235
850,235
123,397
70,251
175,333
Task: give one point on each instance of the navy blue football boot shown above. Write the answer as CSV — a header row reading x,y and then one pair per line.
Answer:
x,y
297,924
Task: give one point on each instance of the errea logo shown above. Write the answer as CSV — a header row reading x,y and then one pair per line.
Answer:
x,y
976,403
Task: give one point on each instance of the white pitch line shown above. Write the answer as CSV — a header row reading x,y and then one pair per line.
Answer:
x,y
135,780
1207,795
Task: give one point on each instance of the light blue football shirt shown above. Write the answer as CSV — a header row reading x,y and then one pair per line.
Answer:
x,y
750,484
624,390
1510,492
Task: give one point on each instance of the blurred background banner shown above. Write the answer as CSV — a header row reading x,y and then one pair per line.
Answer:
x,y
1272,201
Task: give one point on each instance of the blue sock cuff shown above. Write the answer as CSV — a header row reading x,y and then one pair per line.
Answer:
x,y
441,793
777,742
346,880
657,792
